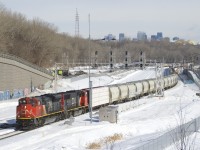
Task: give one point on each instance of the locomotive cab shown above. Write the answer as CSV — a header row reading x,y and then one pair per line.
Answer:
x,y
27,110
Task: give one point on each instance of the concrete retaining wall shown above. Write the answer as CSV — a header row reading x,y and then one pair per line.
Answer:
x,y
17,78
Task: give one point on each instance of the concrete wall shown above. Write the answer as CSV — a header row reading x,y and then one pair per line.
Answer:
x,y
15,75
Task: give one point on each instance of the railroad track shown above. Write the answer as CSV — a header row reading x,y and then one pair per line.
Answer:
x,y
10,134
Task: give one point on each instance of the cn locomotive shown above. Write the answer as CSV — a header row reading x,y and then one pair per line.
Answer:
x,y
40,110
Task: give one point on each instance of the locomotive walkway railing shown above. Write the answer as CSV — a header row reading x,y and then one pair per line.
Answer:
x,y
20,60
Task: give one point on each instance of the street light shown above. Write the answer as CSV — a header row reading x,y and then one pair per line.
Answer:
x,y
90,82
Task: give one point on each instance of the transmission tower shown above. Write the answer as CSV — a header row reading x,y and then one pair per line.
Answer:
x,y
159,80
77,24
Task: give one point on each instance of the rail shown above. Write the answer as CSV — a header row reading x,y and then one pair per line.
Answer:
x,y
10,134
20,60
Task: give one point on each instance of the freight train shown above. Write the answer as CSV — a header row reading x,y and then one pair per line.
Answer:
x,y
40,110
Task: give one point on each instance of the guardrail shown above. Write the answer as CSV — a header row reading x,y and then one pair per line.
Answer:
x,y
20,60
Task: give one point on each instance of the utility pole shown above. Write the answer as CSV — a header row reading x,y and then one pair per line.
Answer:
x,y
95,59
55,76
90,82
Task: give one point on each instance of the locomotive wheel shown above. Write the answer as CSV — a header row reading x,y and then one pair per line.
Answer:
x,y
84,110
64,115
41,122
60,116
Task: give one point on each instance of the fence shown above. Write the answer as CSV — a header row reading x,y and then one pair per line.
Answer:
x,y
172,136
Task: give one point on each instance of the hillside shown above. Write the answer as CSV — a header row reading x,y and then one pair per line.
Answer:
x,y
40,43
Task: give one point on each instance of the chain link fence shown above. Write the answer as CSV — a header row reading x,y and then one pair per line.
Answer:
x,y
173,136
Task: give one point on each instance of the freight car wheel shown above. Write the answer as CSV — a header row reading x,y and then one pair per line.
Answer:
x,y
70,114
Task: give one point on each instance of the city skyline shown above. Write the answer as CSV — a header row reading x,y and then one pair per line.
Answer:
x,y
172,18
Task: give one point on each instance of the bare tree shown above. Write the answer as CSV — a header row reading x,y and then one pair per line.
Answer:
x,y
184,135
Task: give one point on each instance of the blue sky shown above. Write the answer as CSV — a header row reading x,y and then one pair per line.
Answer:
x,y
172,17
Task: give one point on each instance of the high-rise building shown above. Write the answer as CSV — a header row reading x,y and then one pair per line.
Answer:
x,y
109,37
153,37
141,36
159,36
121,37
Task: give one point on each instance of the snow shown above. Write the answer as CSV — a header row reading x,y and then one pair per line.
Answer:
x,y
140,121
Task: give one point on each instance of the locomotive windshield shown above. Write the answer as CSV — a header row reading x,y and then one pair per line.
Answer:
x,y
22,101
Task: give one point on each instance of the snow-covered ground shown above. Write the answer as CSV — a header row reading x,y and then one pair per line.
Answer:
x,y
135,126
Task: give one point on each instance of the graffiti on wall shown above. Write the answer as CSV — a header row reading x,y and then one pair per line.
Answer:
x,y
16,93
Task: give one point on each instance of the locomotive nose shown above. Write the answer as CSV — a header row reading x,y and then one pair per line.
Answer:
x,y
24,112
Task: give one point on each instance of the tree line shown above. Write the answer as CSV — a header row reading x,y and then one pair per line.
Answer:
x,y
40,43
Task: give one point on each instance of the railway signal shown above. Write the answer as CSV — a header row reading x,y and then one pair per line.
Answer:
x,y
126,59
111,61
142,60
